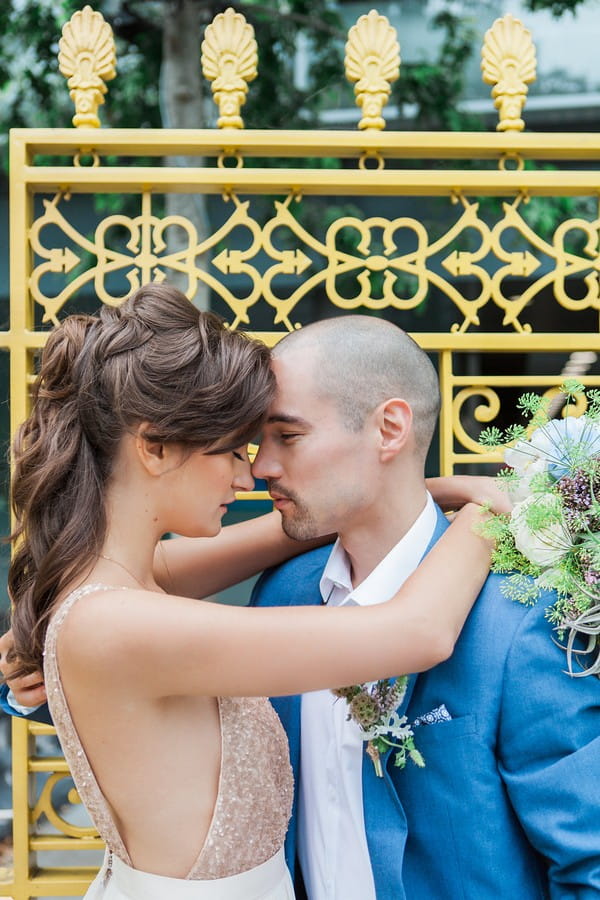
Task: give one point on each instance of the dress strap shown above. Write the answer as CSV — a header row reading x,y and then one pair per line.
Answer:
x,y
81,770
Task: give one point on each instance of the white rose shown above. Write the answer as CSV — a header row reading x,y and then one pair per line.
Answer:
x,y
522,456
526,466
543,547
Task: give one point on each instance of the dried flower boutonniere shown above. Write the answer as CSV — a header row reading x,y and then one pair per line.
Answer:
x,y
374,709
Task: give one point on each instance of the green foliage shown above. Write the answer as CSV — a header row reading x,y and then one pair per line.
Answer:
x,y
505,557
593,395
556,7
571,387
515,433
436,87
546,511
34,93
530,403
491,437
520,588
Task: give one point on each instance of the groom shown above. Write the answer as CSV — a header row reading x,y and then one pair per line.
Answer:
x,y
507,804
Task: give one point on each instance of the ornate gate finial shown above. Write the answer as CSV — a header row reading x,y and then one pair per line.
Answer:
x,y
229,60
508,62
372,63
87,58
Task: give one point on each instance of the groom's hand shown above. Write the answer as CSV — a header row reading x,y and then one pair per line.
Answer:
x,y
28,690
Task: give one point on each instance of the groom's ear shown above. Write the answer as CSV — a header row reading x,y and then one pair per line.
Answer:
x,y
395,420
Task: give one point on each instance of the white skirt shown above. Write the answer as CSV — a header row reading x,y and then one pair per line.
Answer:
x,y
269,881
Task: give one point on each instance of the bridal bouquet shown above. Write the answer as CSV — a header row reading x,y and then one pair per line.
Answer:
x,y
551,540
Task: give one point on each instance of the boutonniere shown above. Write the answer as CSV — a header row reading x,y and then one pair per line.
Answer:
x,y
374,709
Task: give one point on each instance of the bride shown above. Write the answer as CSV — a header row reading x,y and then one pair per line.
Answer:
x,y
139,427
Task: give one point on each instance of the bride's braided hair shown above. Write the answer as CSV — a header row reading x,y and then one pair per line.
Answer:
x,y
155,359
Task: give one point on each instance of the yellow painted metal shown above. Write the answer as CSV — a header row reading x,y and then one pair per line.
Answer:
x,y
229,61
508,62
413,145
264,265
87,59
372,64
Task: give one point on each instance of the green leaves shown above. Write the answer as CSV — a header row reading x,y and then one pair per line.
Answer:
x,y
491,437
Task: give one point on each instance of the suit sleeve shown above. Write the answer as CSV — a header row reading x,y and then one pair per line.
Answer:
x,y
35,714
549,757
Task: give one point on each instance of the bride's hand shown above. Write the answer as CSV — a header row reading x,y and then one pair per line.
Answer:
x,y
452,492
28,690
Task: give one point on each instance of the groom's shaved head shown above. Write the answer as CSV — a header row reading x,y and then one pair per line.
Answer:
x,y
358,362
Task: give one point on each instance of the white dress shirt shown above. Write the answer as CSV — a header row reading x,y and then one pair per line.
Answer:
x,y
332,842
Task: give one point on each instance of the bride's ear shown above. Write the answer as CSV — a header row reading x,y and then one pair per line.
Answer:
x,y
155,457
395,421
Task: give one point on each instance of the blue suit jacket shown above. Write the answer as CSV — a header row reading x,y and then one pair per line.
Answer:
x,y
508,805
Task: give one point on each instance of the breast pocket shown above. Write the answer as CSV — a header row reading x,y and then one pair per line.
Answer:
x,y
440,732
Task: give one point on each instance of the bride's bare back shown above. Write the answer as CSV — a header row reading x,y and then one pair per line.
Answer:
x,y
189,787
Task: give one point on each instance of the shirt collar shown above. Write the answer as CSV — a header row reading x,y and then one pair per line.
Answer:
x,y
390,573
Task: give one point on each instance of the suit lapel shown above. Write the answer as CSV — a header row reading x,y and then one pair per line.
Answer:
x,y
386,831
385,819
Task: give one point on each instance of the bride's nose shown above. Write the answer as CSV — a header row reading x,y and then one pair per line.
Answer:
x,y
242,476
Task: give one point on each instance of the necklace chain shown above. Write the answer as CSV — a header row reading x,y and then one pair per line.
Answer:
x,y
125,569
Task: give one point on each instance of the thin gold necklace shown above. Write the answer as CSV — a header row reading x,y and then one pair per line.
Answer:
x,y
125,569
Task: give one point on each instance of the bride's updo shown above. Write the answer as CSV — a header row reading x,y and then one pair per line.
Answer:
x,y
154,359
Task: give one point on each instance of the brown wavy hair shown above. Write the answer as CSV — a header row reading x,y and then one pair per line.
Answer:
x,y
154,359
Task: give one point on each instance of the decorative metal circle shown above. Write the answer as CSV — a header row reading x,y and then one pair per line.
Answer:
x,y
376,156
82,154
230,154
519,163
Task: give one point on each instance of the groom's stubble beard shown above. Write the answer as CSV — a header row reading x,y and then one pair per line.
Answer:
x,y
297,521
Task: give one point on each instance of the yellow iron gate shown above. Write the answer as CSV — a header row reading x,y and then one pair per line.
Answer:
x,y
494,287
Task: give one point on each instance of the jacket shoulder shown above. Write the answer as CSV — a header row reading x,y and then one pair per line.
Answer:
x,y
293,583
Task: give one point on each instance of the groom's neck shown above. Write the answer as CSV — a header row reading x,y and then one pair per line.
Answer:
x,y
388,520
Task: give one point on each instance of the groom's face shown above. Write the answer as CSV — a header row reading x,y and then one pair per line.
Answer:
x,y
320,474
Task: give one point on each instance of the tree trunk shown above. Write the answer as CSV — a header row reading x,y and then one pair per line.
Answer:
x,y
183,98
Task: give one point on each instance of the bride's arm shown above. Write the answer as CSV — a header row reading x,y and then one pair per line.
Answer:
x,y
199,567
453,491
190,648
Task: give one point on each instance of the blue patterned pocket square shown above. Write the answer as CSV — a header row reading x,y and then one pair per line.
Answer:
x,y
439,714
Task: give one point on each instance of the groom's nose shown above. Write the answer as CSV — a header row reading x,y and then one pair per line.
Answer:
x,y
265,464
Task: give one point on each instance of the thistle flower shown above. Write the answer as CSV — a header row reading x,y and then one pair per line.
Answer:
x,y
365,710
347,692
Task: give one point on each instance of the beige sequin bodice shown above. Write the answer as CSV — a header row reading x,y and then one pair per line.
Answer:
x,y
255,792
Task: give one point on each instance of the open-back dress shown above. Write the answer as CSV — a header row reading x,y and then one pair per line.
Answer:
x,y
242,855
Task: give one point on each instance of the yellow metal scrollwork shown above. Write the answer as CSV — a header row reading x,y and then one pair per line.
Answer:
x,y
45,807
372,63
143,257
87,59
229,61
508,62
375,262
484,412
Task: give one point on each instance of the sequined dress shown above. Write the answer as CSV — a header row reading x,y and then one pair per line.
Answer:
x,y
242,855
